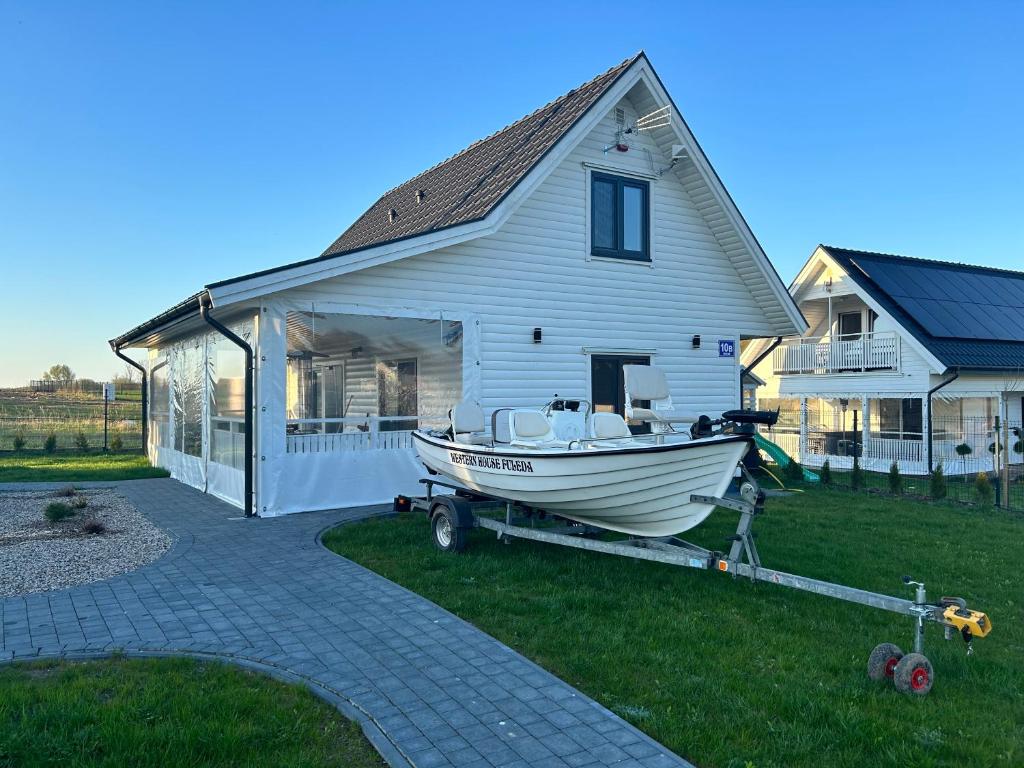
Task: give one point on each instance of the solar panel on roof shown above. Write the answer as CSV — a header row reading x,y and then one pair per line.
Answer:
x,y
951,301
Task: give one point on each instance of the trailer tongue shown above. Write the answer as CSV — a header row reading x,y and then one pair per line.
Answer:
x,y
453,515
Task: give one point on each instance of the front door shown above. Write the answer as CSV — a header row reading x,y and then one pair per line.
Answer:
x,y
607,386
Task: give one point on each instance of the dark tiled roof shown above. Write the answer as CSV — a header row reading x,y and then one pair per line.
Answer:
x,y
967,316
467,186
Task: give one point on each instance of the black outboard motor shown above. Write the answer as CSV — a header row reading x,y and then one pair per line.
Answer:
x,y
744,422
747,416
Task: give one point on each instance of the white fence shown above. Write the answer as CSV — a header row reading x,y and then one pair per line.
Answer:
x,y
865,352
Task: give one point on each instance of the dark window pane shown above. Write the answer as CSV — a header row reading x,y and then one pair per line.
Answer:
x,y
604,224
912,421
632,218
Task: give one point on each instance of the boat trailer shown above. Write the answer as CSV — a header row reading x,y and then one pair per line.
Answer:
x,y
453,515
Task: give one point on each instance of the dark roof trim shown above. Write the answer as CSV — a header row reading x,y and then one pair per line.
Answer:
x,y
180,311
626,67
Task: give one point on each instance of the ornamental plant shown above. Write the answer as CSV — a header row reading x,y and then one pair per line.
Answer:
x,y
857,475
825,477
895,480
937,484
983,489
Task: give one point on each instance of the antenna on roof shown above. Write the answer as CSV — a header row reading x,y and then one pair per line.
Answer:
x,y
659,118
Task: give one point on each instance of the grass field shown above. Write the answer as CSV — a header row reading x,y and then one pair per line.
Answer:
x,y
166,713
733,674
38,467
35,415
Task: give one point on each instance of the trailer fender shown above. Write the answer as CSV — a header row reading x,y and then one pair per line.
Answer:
x,y
459,508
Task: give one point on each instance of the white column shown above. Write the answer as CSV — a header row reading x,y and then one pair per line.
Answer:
x,y
865,428
803,430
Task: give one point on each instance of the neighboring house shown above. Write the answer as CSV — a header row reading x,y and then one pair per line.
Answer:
x,y
884,332
537,261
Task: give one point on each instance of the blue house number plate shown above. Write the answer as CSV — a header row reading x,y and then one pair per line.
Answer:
x,y
726,348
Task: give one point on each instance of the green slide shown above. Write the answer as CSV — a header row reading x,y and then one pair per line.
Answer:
x,y
780,456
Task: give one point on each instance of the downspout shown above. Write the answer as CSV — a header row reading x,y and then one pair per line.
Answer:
x,y
932,391
204,311
757,360
143,392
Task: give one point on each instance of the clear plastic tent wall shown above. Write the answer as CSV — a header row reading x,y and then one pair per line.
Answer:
x,y
355,386
362,374
196,411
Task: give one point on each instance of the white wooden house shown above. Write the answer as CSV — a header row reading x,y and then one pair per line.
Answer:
x,y
916,353
535,262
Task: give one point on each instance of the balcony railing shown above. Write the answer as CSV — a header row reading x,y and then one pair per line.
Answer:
x,y
845,354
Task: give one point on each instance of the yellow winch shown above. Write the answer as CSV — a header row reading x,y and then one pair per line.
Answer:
x,y
967,620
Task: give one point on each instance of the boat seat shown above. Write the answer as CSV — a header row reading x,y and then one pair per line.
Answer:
x,y
468,424
648,383
604,426
531,428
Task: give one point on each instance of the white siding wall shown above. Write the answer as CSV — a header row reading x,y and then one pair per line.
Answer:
x,y
535,273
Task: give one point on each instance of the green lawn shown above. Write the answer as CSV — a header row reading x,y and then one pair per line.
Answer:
x,y
165,713
730,673
74,467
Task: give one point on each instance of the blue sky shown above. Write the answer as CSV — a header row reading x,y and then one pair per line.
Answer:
x,y
149,148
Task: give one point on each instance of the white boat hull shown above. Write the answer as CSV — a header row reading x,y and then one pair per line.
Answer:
x,y
642,491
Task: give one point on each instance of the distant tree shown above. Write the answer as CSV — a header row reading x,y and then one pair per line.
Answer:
x,y
129,375
60,373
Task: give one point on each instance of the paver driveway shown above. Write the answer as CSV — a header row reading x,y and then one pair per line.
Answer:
x,y
441,691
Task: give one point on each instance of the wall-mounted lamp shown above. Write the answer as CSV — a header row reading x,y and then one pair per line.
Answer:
x,y
537,334
696,341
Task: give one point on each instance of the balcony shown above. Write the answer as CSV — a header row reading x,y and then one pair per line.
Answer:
x,y
861,353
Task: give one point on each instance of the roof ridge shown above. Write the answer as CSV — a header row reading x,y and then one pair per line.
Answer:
x,y
922,260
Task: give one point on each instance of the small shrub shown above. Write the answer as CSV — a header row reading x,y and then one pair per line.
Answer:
x,y
963,450
983,489
57,511
825,476
94,527
857,475
66,491
79,502
895,480
81,442
18,441
793,473
937,484
50,443
116,444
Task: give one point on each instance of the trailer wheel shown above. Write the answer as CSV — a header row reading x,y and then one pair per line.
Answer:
x,y
448,535
883,660
913,674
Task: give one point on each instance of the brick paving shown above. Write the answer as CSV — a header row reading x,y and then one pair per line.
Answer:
x,y
266,592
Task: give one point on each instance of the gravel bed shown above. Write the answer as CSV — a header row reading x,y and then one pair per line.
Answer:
x,y
37,555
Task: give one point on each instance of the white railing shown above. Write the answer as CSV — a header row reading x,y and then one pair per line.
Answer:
x,y
362,433
863,352
890,449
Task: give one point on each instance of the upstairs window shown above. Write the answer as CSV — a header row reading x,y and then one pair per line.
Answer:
x,y
619,217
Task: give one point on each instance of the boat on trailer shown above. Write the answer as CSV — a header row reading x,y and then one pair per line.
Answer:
x,y
592,470
588,468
